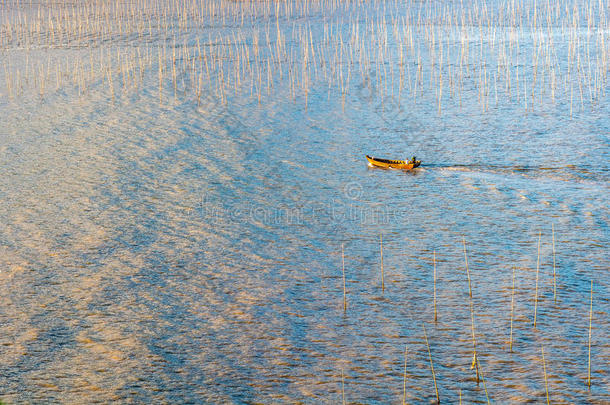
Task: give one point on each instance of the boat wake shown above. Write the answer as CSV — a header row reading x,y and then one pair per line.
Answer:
x,y
568,172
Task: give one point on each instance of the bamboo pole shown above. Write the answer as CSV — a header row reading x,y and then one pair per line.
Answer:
x,y
512,312
590,324
467,270
546,384
342,387
554,278
475,360
537,273
343,270
438,401
484,384
381,252
434,261
404,380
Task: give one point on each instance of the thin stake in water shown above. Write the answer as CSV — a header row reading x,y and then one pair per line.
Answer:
x,y
381,250
404,380
467,270
512,312
484,385
342,387
438,401
590,322
434,261
537,272
546,384
475,360
554,282
343,269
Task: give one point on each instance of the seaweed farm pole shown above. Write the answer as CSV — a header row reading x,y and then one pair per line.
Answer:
x,y
512,312
438,401
342,387
343,268
434,261
404,380
484,385
467,270
160,78
537,272
554,282
381,251
475,362
590,322
546,384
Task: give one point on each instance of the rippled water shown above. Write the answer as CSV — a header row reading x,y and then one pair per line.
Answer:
x,y
178,252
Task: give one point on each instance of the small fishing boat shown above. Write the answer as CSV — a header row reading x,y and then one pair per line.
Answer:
x,y
394,164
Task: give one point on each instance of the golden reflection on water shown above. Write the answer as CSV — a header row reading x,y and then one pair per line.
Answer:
x,y
190,252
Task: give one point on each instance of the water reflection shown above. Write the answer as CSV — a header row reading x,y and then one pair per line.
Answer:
x,y
184,253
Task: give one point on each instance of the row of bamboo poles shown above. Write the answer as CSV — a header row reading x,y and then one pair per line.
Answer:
x,y
476,365
519,52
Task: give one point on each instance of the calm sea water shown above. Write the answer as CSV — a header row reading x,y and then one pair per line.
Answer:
x,y
190,253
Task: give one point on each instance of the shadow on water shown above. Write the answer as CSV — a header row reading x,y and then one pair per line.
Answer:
x,y
411,172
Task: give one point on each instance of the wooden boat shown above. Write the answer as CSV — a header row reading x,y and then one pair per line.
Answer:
x,y
394,164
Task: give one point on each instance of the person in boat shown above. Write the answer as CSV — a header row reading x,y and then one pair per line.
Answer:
x,y
413,160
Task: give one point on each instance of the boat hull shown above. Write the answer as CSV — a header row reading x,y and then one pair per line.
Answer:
x,y
392,164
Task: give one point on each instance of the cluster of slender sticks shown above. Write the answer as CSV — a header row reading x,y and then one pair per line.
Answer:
x,y
524,52
475,362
